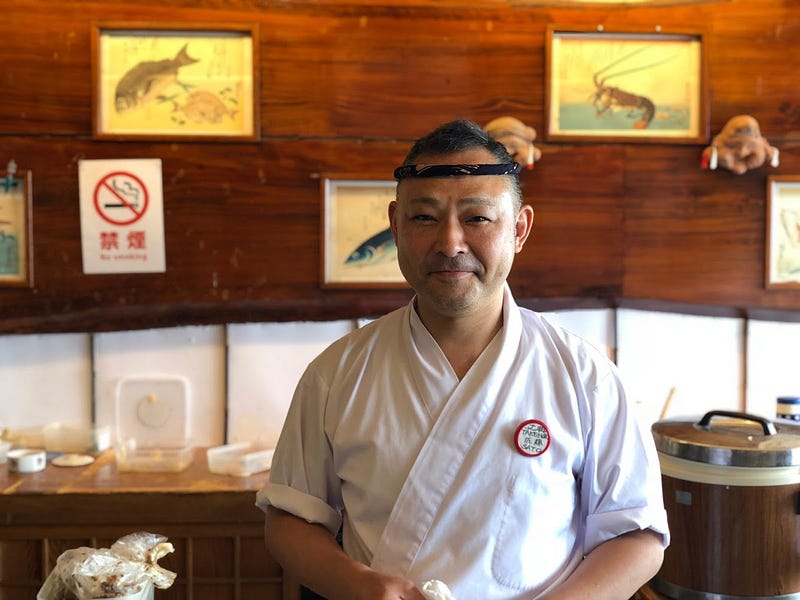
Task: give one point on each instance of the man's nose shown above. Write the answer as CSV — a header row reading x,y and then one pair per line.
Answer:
x,y
451,237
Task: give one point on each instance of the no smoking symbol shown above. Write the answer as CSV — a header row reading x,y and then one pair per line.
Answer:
x,y
120,198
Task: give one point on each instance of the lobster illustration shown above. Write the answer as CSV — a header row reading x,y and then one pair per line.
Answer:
x,y
607,98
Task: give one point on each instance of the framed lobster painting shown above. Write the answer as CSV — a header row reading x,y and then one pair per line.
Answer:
x,y
631,86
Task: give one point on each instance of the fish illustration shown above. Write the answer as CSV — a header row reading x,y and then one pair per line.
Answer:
x,y
204,107
148,79
9,254
375,250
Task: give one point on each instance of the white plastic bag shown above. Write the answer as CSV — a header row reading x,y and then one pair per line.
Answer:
x,y
126,569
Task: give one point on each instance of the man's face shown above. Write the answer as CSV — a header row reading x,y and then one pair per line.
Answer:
x,y
456,236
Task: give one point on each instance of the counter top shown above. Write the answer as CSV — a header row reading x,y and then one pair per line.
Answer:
x,y
100,491
103,477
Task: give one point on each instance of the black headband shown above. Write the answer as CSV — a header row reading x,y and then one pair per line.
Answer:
x,y
407,171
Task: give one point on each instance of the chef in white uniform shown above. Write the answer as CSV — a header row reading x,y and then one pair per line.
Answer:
x,y
462,438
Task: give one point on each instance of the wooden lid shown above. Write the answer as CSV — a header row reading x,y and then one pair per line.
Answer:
x,y
728,438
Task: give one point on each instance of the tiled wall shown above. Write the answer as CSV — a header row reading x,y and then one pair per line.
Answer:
x,y
241,377
677,364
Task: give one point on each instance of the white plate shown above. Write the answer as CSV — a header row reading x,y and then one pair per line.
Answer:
x,y
73,460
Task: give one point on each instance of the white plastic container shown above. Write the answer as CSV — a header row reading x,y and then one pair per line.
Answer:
x,y
27,460
240,459
152,424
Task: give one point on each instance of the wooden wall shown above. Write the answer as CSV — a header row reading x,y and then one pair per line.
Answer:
x,y
345,87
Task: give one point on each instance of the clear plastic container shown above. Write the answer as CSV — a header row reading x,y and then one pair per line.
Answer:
x,y
240,459
76,437
131,457
27,437
152,424
4,448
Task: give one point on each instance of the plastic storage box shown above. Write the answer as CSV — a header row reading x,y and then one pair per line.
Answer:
x,y
4,448
76,437
152,424
241,459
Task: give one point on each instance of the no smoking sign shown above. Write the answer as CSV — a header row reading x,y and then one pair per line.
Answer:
x,y
120,198
122,216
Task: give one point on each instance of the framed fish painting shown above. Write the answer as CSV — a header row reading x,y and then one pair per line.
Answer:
x,y
166,81
625,86
16,242
782,257
358,250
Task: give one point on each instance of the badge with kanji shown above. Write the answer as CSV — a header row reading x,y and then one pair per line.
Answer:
x,y
532,438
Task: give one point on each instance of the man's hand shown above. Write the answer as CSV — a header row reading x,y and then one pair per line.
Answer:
x,y
309,554
371,585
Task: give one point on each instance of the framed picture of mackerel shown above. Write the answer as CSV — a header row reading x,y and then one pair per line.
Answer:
x,y
625,86
358,249
167,81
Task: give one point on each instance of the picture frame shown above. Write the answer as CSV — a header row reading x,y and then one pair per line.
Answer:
x,y
358,250
782,245
16,231
162,81
625,86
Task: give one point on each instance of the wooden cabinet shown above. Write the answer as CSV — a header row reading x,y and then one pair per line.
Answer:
x,y
211,520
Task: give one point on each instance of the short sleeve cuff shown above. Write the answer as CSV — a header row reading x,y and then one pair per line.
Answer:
x,y
301,505
605,526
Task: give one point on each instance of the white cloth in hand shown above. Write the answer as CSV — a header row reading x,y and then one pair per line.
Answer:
x,y
436,590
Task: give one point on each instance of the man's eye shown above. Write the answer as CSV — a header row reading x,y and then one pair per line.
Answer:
x,y
422,217
479,219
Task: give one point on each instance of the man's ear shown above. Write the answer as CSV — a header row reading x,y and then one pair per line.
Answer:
x,y
523,226
392,211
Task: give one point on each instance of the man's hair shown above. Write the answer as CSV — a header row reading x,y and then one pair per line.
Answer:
x,y
458,136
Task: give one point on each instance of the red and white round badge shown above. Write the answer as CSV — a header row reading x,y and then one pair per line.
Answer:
x,y
532,437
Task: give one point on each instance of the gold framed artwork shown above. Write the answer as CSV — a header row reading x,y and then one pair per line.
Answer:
x,y
782,256
358,250
166,81
606,86
16,242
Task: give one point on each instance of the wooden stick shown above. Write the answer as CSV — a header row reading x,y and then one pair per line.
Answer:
x,y
667,402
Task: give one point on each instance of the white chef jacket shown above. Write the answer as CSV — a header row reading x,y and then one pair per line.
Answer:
x,y
424,473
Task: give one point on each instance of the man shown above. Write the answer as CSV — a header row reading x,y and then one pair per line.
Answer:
x,y
461,438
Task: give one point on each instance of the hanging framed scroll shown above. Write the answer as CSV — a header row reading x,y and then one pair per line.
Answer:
x,y
358,250
625,86
16,248
162,81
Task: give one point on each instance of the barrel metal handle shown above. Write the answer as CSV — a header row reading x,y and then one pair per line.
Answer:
x,y
766,424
